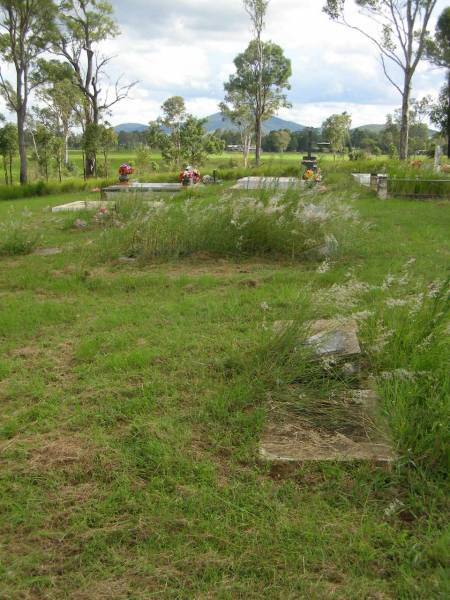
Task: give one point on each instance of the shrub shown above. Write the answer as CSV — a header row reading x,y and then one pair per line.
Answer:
x,y
16,240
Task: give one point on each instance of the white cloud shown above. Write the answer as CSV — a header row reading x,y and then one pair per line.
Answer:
x,y
187,47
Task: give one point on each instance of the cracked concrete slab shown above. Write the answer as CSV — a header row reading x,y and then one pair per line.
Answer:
x,y
291,438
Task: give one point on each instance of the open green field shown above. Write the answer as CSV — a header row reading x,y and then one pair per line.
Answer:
x,y
137,374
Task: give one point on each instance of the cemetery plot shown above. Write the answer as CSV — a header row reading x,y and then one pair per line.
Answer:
x,y
256,183
344,426
81,205
108,193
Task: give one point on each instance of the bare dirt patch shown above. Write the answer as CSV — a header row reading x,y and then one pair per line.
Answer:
x,y
61,452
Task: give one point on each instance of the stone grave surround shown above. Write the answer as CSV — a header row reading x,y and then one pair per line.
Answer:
x,y
256,183
290,439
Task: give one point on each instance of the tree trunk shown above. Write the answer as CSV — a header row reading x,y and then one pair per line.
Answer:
x,y
89,167
5,169
246,143
448,115
66,148
22,145
404,129
10,169
258,135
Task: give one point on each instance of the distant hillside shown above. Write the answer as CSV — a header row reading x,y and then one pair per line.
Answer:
x,y
376,129
372,128
130,127
216,121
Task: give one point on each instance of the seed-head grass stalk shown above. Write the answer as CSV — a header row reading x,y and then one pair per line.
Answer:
x,y
413,373
263,225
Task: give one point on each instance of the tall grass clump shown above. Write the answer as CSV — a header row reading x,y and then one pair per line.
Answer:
x,y
233,226
412,360
42,188
17,239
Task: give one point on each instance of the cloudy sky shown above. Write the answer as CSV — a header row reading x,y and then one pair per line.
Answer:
x,y
186,47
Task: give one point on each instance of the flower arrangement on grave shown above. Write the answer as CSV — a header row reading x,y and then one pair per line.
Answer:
x,y
312,176
125,170
190,176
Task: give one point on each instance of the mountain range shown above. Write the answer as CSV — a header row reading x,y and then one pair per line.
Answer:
x,y
217,121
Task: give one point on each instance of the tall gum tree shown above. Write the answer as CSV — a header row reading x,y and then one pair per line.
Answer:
x,y
83,26
28,27
438,52
260,90
235,108
256,10
400,34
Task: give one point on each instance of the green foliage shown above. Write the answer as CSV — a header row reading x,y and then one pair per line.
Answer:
x,y
8,149
17,239
277,141
42,188
336,130
438,49
269,84
29,27
76,17
439,112
181,136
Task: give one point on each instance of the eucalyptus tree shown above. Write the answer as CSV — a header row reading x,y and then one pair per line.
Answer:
x,y
83,26
260,87
241,115
257,10
62,98
399,30
336,130
438,52
27,29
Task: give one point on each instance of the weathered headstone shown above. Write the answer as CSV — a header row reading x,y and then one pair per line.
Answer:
x,y
437,158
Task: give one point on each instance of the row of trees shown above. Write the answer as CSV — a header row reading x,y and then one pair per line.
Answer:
x,y
71,87
180,136
398,29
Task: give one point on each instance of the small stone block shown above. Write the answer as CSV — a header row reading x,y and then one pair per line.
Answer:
x,y
47,251
333,337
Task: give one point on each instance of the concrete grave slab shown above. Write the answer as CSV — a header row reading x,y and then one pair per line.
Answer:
x,y
47,251
81,205
256,183
290,438
110,192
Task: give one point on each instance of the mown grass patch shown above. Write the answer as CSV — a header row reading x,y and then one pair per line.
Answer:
x,y
134,395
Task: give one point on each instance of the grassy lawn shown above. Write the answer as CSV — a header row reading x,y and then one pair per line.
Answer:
x,y
134,394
